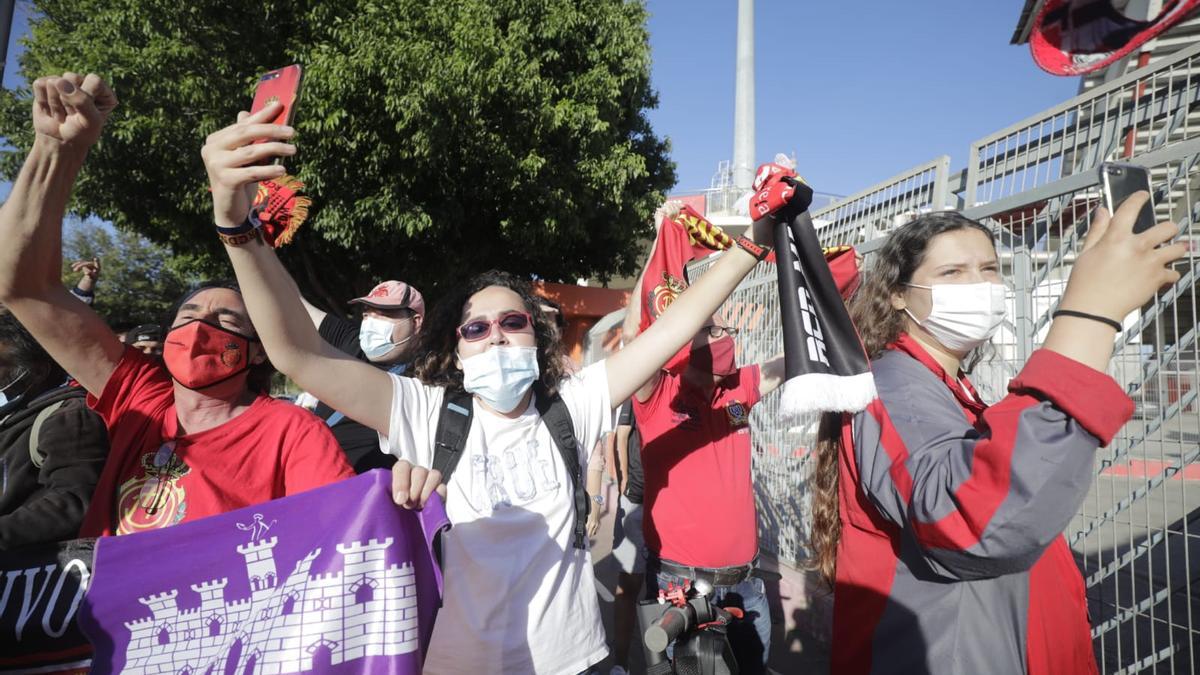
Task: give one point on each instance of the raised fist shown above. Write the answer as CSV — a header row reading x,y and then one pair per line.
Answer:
x,y
89,268
776,187
71,109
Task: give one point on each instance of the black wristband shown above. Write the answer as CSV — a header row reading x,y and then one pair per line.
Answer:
x,y
232,231
1115,325
248,224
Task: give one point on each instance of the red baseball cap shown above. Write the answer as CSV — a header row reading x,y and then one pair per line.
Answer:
x,y
393,294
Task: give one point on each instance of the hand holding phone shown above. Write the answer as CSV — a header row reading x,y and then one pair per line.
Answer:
x,y
236,160
1118,181
282,85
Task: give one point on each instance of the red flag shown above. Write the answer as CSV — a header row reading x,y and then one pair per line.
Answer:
x,y
681,239
843,264
1074,37
688,236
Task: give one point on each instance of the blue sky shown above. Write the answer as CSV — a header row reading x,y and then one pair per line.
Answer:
x,y
858,90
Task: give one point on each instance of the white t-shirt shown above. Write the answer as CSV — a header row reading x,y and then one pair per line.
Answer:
x,y
519,597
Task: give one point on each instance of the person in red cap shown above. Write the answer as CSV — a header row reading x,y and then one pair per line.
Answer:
x,y
392,316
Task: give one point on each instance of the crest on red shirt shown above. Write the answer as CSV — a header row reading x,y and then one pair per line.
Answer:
x,y
665,293
155,499
739,414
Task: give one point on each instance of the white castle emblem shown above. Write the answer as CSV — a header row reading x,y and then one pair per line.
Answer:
x,y
306,623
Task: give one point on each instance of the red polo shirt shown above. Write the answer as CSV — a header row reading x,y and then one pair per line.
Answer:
x,y
155,477
696,456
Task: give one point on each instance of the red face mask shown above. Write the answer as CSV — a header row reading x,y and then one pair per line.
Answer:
x,y
717,357
199,354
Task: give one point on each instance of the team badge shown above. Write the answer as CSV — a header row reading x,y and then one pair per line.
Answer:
x,y
154,499
739,414
665,293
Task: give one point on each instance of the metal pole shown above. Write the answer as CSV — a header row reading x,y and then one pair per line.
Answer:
x,y
6,19
1024,314
743,96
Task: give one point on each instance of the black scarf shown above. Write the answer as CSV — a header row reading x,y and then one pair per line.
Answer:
x,y
824,362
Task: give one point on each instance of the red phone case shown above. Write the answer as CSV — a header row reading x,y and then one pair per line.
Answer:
x,y
278,85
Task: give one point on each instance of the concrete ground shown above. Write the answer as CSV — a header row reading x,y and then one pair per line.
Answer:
x,y
1140,551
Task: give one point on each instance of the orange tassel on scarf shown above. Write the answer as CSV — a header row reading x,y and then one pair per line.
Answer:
x,y
282,208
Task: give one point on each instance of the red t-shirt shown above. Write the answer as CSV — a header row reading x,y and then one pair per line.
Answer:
x,y
154,478
696,456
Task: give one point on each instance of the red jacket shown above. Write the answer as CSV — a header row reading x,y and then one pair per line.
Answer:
x,y
951,557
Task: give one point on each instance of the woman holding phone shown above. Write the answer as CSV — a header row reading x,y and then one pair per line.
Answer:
x,y
520,595
939,518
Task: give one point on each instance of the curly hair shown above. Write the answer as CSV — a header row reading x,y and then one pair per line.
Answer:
x,y
878,325
436,351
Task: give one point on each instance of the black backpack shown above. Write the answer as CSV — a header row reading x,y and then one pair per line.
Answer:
x,y
454,423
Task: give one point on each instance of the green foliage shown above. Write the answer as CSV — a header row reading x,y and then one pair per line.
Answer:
x,y
436,138
139,281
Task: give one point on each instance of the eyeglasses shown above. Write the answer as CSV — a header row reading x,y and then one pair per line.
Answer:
x,y
509,322
718,331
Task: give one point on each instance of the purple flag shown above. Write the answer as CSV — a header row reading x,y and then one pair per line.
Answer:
x,y
334,580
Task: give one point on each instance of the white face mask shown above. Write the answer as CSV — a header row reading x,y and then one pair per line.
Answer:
x,y
964,316
375,337
501,375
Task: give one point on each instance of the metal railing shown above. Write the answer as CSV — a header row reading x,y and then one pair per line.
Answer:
x,y
872,212
1147,109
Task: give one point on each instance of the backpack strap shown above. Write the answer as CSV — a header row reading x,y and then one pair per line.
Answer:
x,y
557,419
35,455
454,421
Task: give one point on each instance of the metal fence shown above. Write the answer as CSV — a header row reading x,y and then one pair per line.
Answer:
x,y
1137,536
868,214
1147,109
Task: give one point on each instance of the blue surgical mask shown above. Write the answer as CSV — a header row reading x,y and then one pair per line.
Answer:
x,y
501,375
375,337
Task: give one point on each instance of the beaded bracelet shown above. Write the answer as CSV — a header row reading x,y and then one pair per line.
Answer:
x,y
244,237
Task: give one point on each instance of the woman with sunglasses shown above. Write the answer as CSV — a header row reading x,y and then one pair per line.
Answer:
x,y
520,596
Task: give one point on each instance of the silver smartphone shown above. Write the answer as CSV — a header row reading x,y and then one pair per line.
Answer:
x,y
1118,180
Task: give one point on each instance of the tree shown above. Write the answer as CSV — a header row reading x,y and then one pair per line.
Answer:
x,y
436,138
140,279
